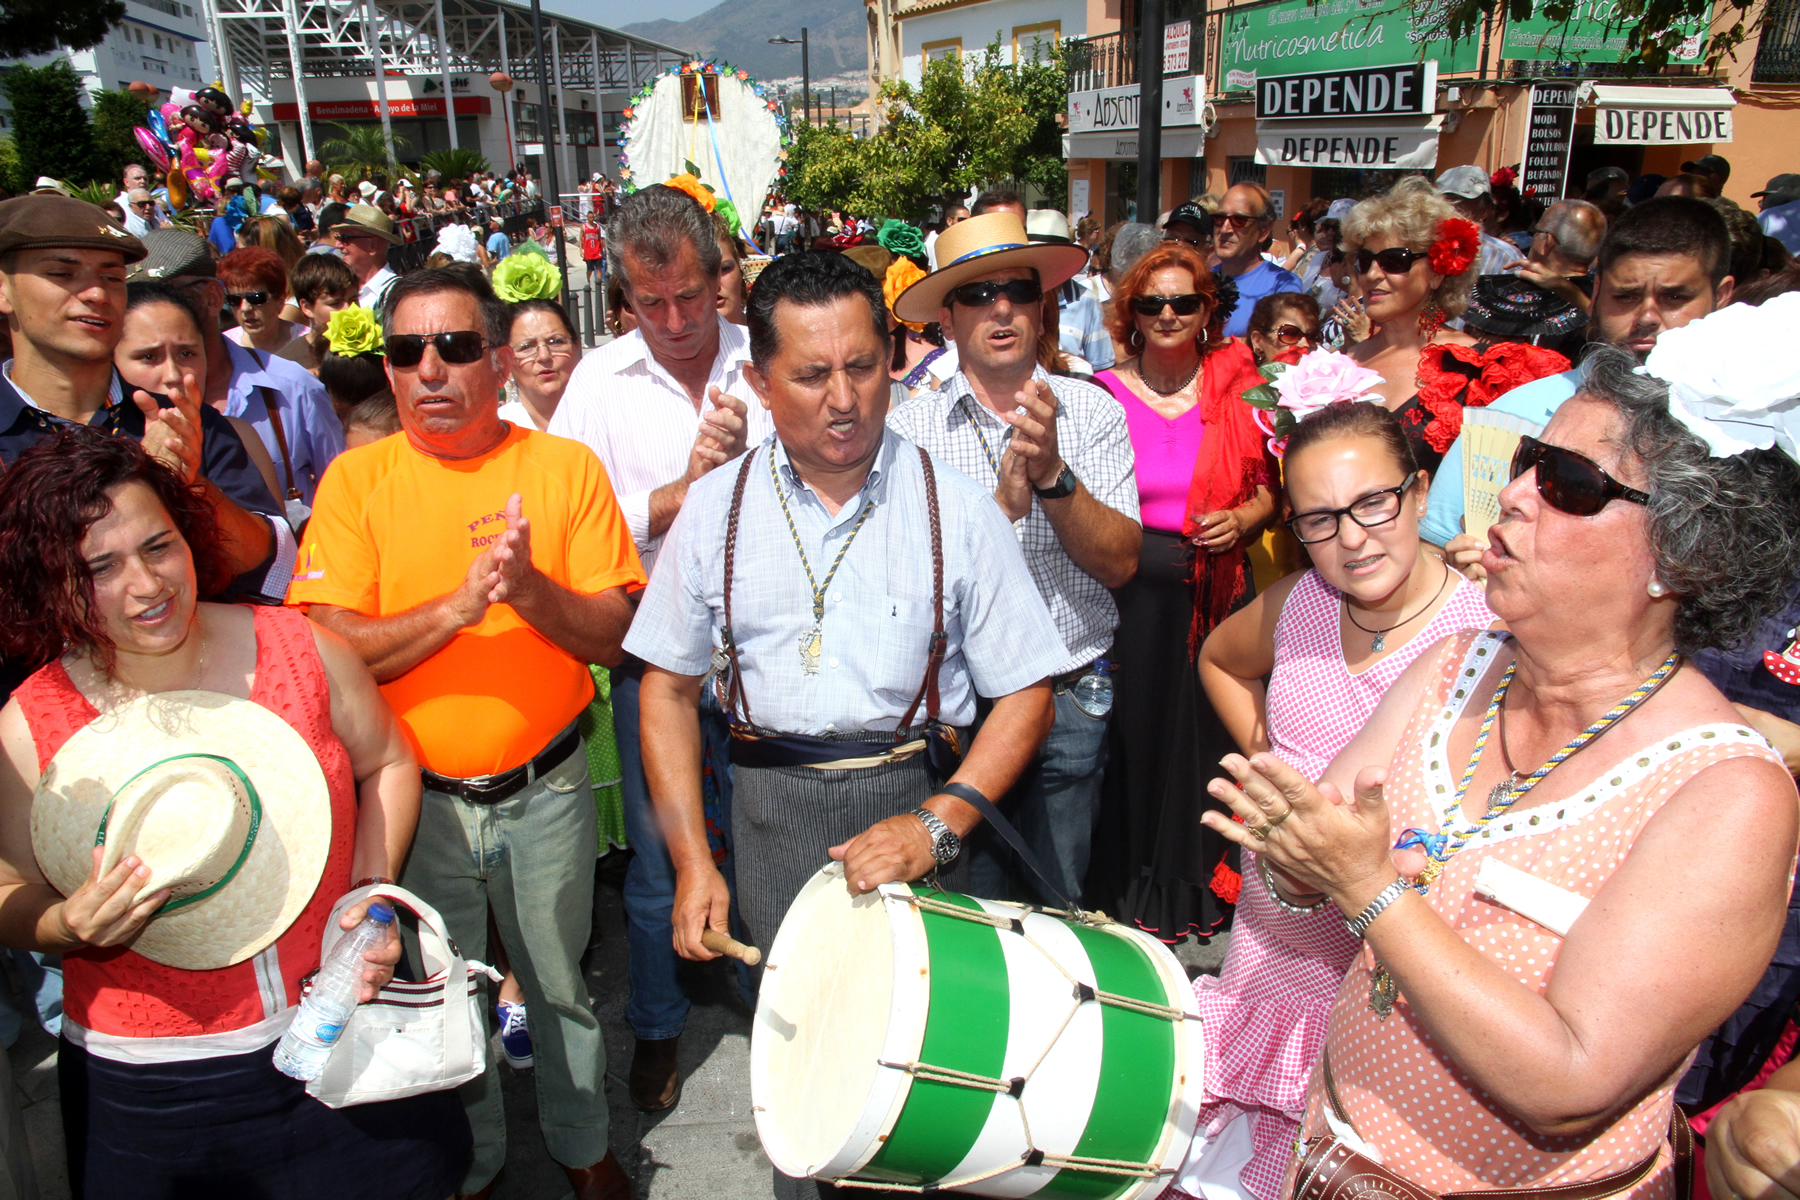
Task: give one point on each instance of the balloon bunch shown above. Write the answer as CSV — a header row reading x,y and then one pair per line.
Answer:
x,y
199,143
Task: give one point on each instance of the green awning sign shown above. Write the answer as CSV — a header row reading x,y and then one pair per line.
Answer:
x,y
1594,32
1295,36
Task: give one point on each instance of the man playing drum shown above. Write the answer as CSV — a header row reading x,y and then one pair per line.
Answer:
x,y
862,599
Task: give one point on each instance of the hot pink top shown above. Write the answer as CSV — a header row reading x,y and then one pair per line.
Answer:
x,y
1315,703
1166,452
1401,1092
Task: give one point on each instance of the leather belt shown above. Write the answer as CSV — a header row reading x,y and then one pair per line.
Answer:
x,y
492,789
1058,682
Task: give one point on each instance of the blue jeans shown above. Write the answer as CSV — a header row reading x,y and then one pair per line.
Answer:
x,y
42,976
1053,805
658,1006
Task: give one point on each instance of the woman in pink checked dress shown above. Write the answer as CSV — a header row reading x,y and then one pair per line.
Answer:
x,y
1310,636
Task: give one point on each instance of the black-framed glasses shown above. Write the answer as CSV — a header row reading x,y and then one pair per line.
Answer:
x,y
1184,305
1395,260
1293,335
457,346
253,299
1376,508
1568,481
986,292
1199,243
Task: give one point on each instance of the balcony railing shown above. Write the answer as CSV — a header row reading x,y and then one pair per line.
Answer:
x,y
167,6
1778,53
1109,60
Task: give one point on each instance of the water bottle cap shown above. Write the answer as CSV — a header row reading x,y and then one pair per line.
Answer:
x,y
381,914
1102,666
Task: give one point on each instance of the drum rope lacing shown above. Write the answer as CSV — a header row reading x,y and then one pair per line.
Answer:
x,y
1081,992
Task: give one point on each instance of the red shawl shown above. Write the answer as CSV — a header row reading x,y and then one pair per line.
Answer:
x,y
1452,378
1233,461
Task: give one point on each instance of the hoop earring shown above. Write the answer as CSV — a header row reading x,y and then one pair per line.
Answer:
x,y
1431,320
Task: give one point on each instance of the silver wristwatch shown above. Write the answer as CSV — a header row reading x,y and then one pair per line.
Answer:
x,y
1359,924
945,845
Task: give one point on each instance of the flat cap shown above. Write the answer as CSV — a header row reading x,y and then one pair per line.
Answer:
x,y
37,222
171,253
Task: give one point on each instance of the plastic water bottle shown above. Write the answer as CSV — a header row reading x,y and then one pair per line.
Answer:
x,y
326,1009
1094,691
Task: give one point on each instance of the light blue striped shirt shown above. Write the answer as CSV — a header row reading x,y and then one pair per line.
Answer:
x,y
877,626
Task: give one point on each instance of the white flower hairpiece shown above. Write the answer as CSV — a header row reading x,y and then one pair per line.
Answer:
x,y
1323,377
1732,380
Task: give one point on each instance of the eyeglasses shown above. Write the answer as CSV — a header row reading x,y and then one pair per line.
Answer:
x,y
555,347
1197,242
253,299
143,204
1293,335
1395,260
459,346
980,295
1152,306
1236,220
1321,525
1570,482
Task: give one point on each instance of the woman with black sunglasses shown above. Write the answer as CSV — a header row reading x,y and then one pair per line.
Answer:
x,y
1204,487
1563,857
1297,672
1413,263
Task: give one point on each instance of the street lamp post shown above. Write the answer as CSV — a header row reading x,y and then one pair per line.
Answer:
x,y
805,71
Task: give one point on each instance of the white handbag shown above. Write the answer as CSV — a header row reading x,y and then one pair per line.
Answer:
x,y
412,1038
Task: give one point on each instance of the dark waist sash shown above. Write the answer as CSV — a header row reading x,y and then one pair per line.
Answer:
x,y
939,745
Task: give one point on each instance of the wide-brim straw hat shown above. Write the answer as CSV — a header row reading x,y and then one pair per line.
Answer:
x,y
366,218
980,246
221,799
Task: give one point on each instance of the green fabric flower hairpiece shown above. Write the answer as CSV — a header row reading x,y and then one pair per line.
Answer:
x,y
354,330
897,237
523,275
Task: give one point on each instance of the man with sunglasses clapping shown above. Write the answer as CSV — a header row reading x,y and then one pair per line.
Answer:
x,y
1057,454
1241,231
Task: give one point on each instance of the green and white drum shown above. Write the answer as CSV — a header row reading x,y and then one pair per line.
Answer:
x,y
917,1038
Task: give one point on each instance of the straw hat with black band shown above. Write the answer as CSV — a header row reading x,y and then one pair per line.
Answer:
x,y
222,800
367,219
980,246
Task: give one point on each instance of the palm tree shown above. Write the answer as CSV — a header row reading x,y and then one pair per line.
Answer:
x,y
454,164
362,151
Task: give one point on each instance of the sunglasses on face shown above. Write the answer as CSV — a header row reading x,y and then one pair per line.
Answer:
x,y
1293,335
980,295
253,299
1570,482
1152,306
1395,260
143,204
1235,220
459,346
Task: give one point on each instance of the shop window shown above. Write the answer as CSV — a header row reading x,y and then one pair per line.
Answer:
x,y
1031,43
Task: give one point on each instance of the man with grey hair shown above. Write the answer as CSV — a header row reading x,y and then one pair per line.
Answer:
x,y
661,408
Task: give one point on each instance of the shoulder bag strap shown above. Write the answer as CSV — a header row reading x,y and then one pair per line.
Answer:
x,y
735,697
934,662
269,402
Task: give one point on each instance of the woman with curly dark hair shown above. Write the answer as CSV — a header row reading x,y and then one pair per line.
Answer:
x,y
104,554
1205,489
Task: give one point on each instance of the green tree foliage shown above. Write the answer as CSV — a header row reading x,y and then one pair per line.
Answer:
x,y
9,167
50,128
968,122
116,114
454,164
40,26
361,152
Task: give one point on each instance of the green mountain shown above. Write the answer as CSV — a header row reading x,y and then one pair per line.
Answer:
x,y
739,32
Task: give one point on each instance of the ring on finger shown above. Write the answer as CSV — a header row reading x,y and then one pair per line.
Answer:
x,y
1260,832
1272,822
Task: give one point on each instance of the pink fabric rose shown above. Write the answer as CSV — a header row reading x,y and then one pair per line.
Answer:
x,y
1323,377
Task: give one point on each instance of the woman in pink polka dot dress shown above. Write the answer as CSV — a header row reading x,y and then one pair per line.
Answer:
x,y
1597,851
1310,636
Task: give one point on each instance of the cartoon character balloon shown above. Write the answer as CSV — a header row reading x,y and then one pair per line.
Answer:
x,y
199,141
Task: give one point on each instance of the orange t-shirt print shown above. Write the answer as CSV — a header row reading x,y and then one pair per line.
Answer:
x,y
393,528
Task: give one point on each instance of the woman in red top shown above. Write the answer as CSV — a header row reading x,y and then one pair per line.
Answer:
x,y
168,1084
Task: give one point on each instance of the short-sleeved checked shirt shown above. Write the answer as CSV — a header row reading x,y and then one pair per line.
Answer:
x,y
876,629
1092,436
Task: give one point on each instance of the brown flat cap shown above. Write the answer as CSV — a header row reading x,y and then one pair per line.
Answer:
x,y
172,252
38,222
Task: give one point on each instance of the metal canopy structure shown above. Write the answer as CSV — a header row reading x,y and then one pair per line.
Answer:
x,y
261,41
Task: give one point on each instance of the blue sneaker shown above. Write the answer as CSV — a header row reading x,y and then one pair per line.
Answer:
x,y
515,1037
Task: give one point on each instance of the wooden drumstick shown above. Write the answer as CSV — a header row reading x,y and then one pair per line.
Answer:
x,y
718,943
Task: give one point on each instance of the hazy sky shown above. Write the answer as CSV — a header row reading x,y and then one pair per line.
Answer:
x,y
617,13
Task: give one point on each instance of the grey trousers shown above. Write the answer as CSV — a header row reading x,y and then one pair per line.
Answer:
x,y
784,820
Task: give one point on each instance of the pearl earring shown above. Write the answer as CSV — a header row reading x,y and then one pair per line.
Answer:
x,y
1657,588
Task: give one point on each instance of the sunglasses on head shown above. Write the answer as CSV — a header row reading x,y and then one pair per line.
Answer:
x,y
980,295
1152,306
458,346
253,299
1395,260
1570,482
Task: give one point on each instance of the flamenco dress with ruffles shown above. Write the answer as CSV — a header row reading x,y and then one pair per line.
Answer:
x,y
1452,378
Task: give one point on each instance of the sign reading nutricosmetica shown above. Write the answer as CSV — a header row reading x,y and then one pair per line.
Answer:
x,y
1299,37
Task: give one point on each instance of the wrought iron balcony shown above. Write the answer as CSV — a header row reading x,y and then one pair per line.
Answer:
x,y
1107,60
1778,53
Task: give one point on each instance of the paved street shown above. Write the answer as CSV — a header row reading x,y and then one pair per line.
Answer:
x,y
705,1149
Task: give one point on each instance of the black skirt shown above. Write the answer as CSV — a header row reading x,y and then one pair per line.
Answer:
x,y
1154,864
235,1128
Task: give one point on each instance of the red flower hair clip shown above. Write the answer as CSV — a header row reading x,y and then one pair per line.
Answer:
x,y
1458,242
1504,177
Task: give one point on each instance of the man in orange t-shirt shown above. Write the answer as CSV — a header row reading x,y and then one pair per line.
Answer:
x,y
478,567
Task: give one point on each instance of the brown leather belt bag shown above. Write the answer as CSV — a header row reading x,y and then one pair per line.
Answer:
x,y
1331,1170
